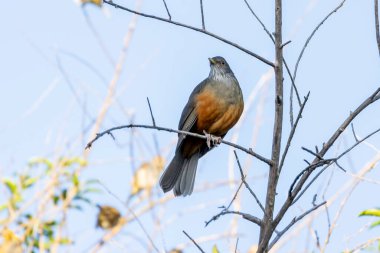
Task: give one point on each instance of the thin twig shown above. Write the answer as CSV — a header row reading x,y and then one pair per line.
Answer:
x,y
312,35
353,132
377,24
260,58
246,184
286,43
294,221
292,132
313,153
299,187
235,195
272,39
308,169
225,209
195,243
259,20
236,245
246,216
203,17
98,37
151,112
167,10
108,131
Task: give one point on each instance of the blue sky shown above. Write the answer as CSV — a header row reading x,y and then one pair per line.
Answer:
x,y
48,50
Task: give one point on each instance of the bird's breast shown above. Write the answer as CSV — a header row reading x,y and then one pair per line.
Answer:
x,y
217,112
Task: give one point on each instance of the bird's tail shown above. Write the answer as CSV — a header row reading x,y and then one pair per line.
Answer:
x,y
180,174
185,183
171,174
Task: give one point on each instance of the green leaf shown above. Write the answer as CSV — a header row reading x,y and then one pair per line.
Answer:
x,y
81,198
26,181
41,160
215,249
92,190
55,199
75,180
370,212
76,207
12,187
65,241
375,224
3,207
64,194
67,162
92,181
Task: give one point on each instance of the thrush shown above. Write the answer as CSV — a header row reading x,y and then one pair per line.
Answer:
x,y
214,107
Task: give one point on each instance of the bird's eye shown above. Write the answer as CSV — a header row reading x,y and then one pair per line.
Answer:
x,y
222,62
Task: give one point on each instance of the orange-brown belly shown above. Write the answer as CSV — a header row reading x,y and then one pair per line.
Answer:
x,y
214,115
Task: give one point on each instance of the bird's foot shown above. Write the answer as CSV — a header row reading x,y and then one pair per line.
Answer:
x,y
212,140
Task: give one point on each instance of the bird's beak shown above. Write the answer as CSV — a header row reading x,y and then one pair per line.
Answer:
x,y
212,61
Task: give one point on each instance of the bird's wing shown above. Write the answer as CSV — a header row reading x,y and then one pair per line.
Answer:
x,y
189,114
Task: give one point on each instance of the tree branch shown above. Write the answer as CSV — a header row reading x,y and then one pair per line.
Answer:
x,y
312,35
246,216
260,58
246,184
292,132
195,243
167,10
335,160
268,228
203,17
109,131
289,201
377,24
294,221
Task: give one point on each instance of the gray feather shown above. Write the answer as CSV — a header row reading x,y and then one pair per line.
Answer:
x,y
171,174
185,182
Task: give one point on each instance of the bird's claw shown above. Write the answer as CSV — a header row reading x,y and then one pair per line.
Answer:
x,y
212,140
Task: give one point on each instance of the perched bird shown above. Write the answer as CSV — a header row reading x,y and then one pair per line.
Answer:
x,y
108,217
214,107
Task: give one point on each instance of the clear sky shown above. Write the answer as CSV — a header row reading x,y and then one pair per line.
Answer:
x,y
56,64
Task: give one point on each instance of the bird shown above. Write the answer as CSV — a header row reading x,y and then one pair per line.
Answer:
x,y
213,108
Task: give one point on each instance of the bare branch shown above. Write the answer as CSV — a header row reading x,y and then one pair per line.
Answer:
x,y
289,201
312,35
377,24
272,39
108,131
286,43
246,216
292,132
313,153
203,17
167,10
246,184
195,243
259,20
267,229
97,37
260,58
151,113
294,221
353,132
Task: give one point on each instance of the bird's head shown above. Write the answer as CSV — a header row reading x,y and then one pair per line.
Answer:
x,y
219,68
